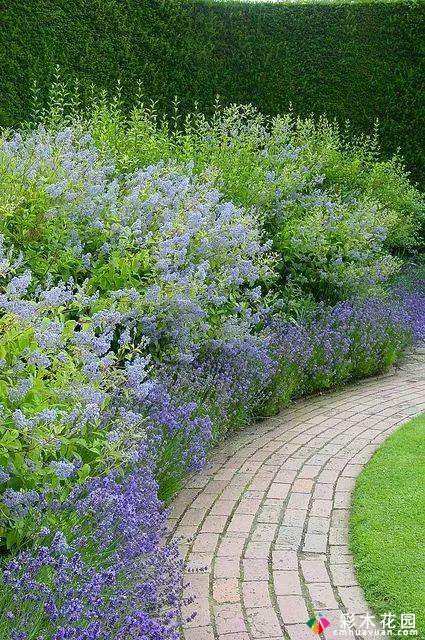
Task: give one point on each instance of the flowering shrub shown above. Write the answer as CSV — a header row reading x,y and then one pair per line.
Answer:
x,y
332,250
54,433
54,190
143,315
290,169
50,432
185,264
195,263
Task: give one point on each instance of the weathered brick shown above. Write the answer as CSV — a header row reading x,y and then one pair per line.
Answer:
x,y
286,583
199,633
222,508
292,609
289,537
214,524
343,575
256,594
298,501
230,546
322,596
303,486
317,524
353,599
205,542
229,619
226,567
278,490
321,508
285,559
241,522
255,569
315,543
226,590
263,623
314,571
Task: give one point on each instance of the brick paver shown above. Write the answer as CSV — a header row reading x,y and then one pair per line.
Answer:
x,y
265,527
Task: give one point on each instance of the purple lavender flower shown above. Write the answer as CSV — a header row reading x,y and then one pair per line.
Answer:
x,y
135,589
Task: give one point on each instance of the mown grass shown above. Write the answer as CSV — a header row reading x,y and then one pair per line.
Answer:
x,y
388,525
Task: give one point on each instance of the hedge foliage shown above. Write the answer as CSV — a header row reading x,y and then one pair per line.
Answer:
x,y
352,61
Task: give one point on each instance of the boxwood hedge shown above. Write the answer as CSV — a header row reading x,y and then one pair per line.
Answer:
x,y
356,61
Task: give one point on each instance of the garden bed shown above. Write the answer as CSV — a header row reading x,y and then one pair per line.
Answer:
x,y
162,286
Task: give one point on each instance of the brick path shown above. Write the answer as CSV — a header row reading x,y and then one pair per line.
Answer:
x,y
268,518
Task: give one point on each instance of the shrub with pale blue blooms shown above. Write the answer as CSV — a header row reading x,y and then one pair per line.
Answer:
x,y
179,261
197,259
64,389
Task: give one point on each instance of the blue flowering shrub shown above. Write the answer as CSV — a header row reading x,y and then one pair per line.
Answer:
x,y
159,243
159,287
51,187
302,175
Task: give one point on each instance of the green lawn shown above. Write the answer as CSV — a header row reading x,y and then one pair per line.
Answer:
x,y
388,525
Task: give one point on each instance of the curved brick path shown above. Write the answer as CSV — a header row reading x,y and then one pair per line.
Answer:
x,y
268,518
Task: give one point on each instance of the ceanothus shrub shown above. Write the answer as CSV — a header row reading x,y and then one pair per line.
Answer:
x,y
55,191
73,403
333,250
186,263
195,263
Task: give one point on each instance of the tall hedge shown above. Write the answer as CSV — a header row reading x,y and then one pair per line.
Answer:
x,y
352,61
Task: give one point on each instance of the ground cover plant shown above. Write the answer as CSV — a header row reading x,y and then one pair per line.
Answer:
x,y
387,525
160,286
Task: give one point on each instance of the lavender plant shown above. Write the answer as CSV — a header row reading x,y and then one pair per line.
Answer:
x,y
98,571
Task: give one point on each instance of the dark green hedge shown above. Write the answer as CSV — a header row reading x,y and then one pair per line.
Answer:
x,y
355,61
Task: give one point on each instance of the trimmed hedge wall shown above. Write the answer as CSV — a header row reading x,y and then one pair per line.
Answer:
x,y
355,61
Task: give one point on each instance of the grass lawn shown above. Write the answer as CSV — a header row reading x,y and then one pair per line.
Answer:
x,y
388,526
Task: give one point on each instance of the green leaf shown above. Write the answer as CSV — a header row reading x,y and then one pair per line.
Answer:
x,y
84,472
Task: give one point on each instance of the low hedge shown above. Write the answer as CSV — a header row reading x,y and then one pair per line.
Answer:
x,y
353,61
